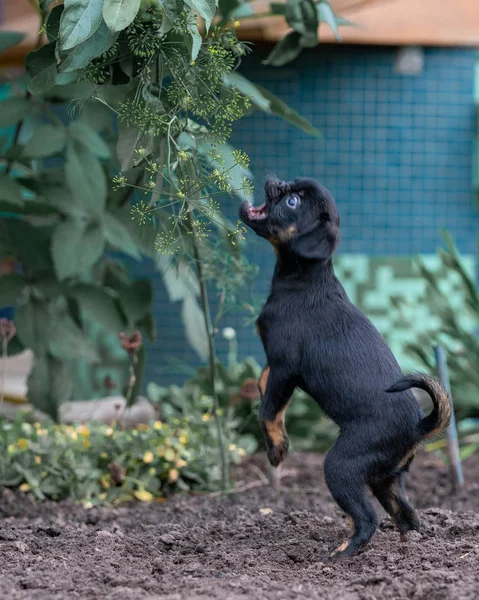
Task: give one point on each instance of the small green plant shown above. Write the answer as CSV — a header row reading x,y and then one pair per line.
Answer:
x,y
236,385
456,331
99,464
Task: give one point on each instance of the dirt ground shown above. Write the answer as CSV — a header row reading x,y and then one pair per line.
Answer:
x,y
257,544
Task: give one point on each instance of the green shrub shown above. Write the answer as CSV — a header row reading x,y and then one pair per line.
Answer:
x,y
98,464
456,331
308,428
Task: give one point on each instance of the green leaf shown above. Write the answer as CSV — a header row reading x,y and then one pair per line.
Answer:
x,y
85,178
67,341
10,191
99,306
285,51
31,245
327,15
50,384
32,321
194,41
76,246
280,109
79,21
129,139
269,103
172,10
277,8
136,299
118,14
310,24
147,322
294,16
46,140
87,137
118,236
205,8
195,329
52,26
8,39
179,279
144,235
41,65
80,56
11,289
13,110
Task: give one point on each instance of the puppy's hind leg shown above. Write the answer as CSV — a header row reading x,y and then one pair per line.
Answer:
x,y
276,390
391,493
346,483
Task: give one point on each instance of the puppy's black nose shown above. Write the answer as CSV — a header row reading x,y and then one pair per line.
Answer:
x,y
273,187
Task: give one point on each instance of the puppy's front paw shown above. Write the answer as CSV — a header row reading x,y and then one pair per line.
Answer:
x,y
277,452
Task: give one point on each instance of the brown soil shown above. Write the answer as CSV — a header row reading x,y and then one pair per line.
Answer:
x,y
231,548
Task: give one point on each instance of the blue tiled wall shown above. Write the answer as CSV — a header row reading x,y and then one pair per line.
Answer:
x,y
396,152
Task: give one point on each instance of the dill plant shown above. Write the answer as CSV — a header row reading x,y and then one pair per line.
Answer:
x,y
167,70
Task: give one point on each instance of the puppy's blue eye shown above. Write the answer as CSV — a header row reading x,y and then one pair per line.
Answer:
x,y
292,201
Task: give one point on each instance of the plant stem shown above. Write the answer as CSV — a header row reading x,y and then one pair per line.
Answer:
x,y
4,368
211,350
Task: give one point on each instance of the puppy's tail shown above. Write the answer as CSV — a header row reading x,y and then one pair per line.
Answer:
x,y
440,416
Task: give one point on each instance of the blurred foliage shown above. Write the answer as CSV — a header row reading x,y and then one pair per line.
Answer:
x,y
236,384
124,99
460,342
97,464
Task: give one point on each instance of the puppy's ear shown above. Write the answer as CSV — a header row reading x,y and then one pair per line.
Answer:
x,y
318,242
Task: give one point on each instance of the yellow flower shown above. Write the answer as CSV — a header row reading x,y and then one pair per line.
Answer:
x,y
232,447
109,431
148,457
183,439
152,471
22,443
86,443
142,427
87,504
173,475
42,432
105,482
73,435
102,496
170,454
180,463
37,425
241,451
143,495
103,455
236,24
157,425
38,460
11,448
206,417
25,487
83,430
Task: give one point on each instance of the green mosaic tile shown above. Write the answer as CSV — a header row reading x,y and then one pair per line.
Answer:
x,y
373,283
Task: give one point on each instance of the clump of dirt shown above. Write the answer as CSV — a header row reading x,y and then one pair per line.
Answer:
x,y
256,544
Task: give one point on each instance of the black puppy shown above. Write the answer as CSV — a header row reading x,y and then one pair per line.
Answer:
x,y
317,340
